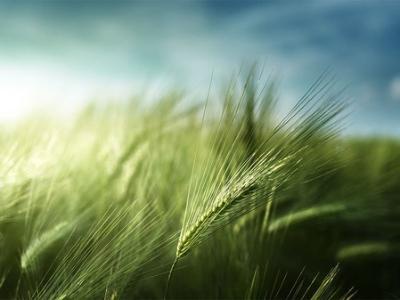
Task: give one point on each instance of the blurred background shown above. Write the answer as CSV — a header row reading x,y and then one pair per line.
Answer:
x,y
59,55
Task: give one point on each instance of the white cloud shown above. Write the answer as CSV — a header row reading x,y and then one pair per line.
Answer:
x,y
394,88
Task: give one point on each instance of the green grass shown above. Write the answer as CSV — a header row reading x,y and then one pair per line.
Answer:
x,y
217,200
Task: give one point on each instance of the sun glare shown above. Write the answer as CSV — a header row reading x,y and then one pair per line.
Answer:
x,y
24,90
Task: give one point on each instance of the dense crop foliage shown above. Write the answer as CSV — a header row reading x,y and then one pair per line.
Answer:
x,y
218,200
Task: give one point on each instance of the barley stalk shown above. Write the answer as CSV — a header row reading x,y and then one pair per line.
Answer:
x,y
41,243
263,173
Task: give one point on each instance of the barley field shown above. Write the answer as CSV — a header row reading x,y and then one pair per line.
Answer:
x,y
216,198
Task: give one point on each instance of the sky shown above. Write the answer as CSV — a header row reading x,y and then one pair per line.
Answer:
x,y
62,54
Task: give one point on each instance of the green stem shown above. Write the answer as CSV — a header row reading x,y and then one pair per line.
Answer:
x,y
169,277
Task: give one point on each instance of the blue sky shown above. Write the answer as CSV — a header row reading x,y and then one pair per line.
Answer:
x,y
62,53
